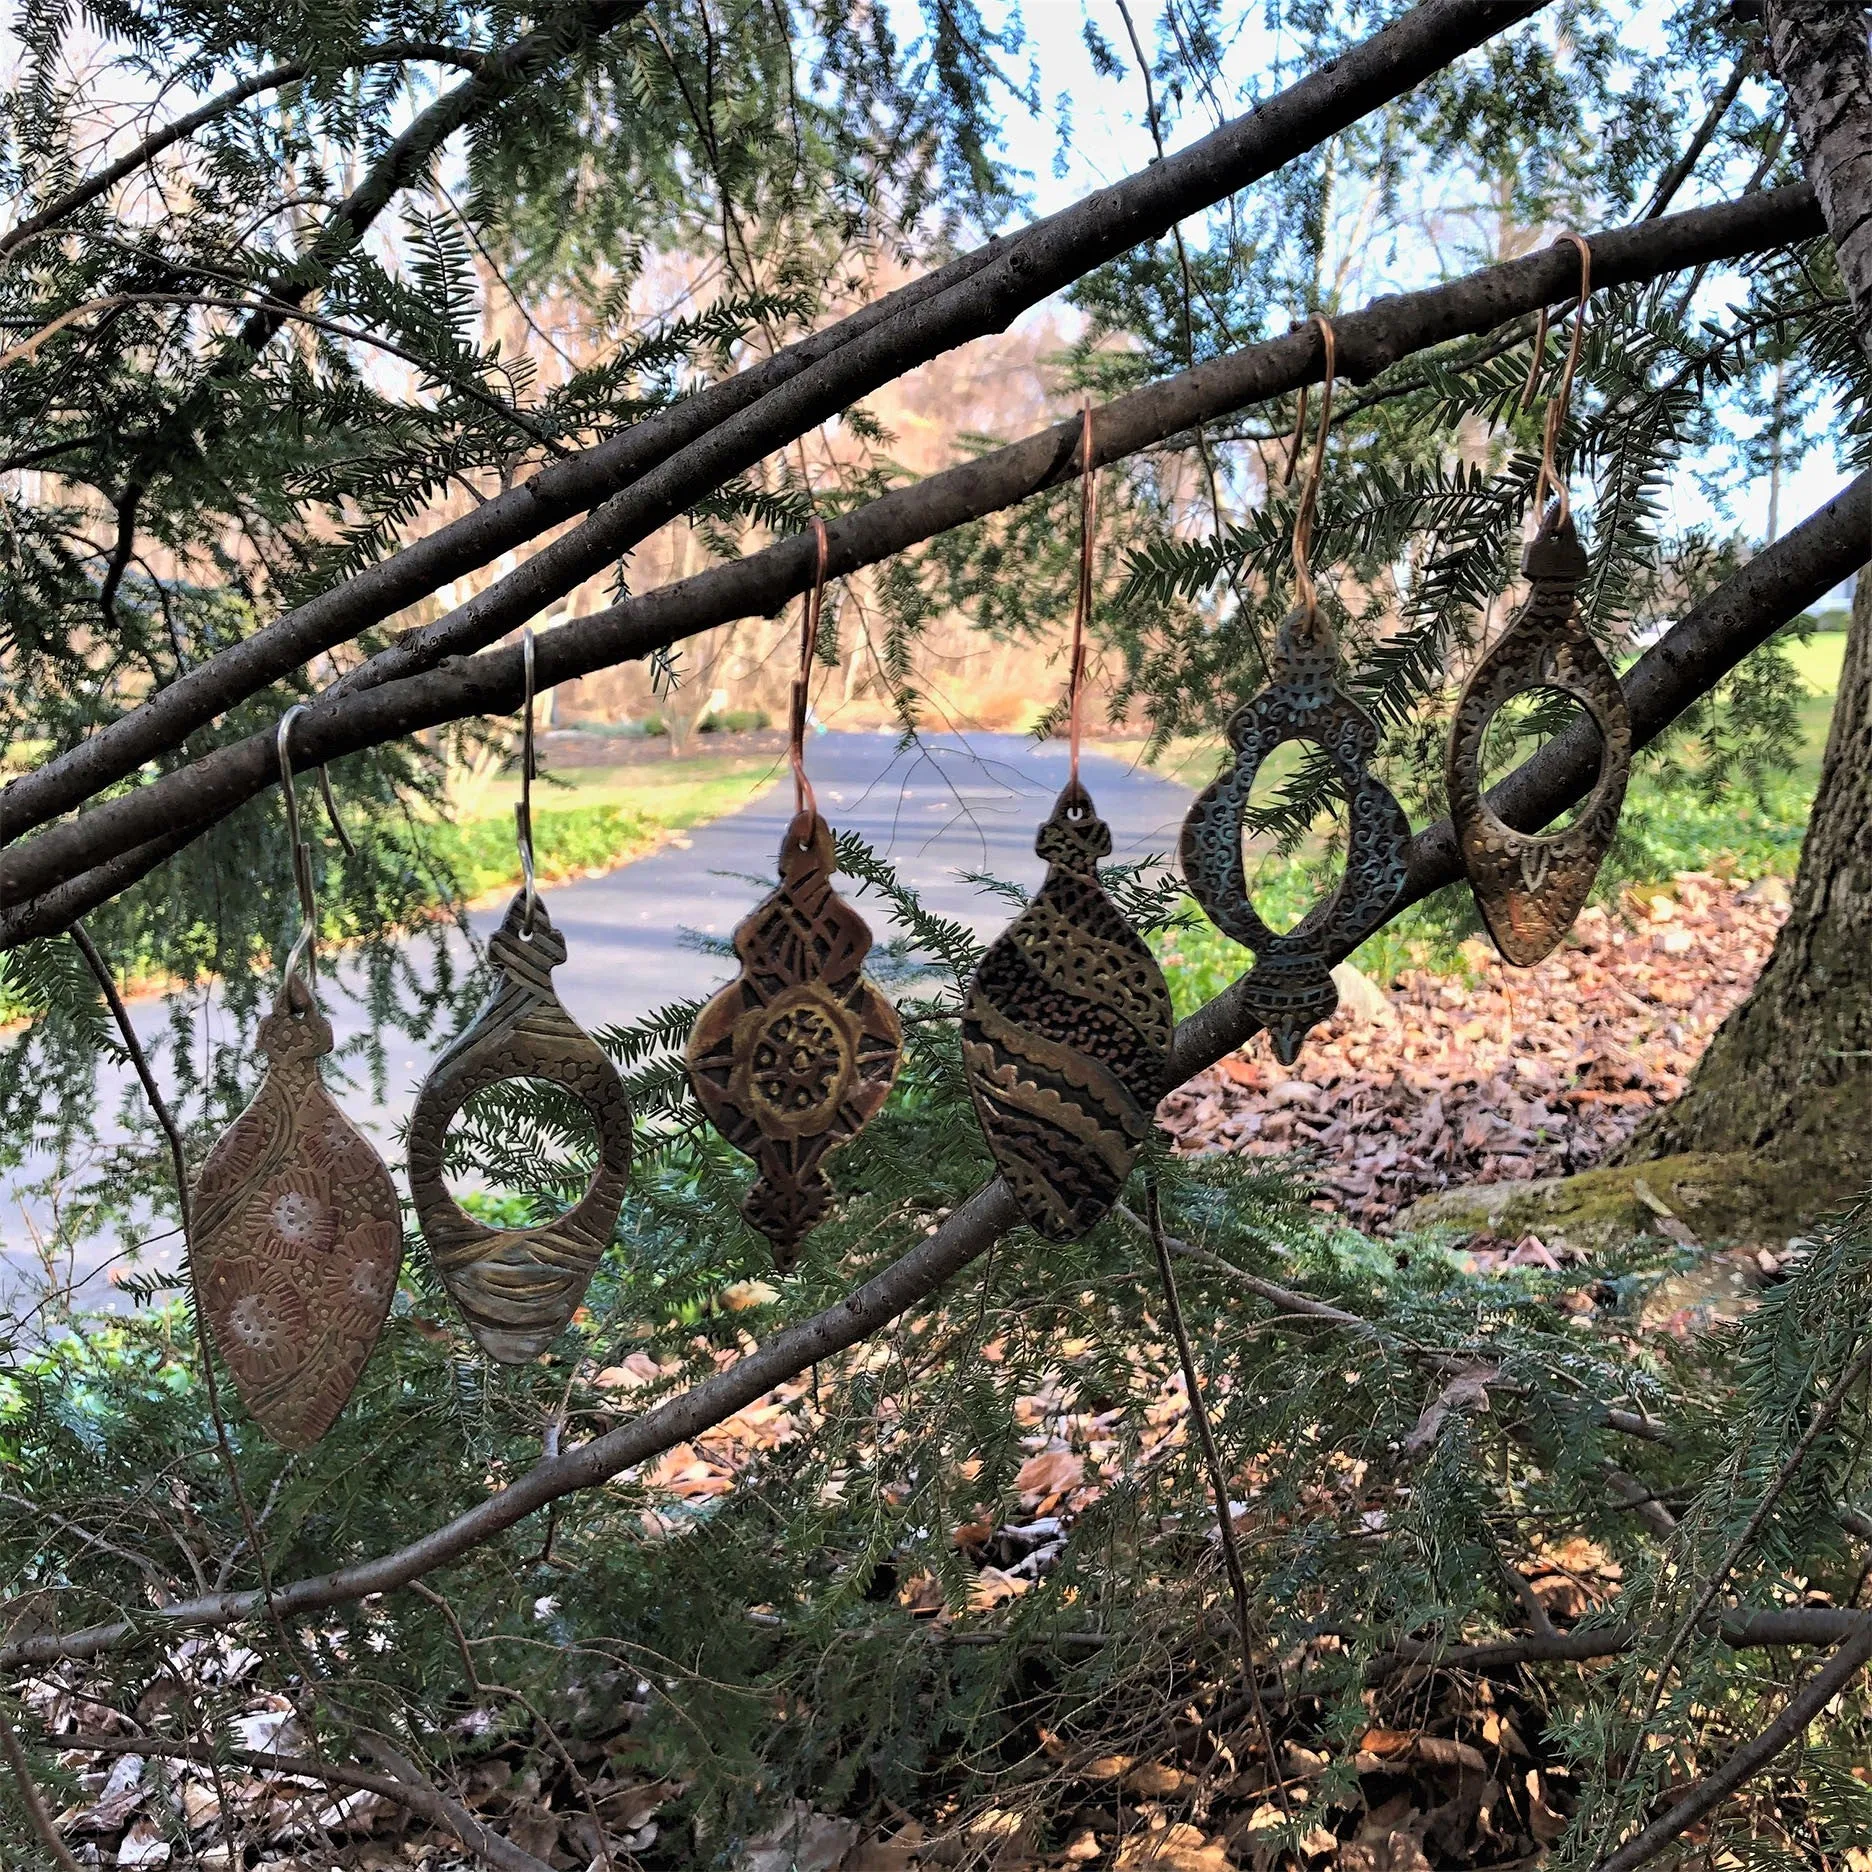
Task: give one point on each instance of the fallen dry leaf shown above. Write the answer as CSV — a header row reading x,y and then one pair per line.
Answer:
x,y
1176,1848
1522,1073
1052,1472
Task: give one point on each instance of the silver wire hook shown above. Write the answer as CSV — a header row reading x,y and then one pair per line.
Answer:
x,y
523,806
300,961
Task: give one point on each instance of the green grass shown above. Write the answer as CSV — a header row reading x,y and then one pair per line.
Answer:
x,y
595,817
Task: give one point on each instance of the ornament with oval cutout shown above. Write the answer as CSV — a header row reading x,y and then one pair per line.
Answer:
x,y
1530,886
518,1288
1290,988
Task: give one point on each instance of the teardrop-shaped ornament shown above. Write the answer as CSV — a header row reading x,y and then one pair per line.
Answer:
x,y
1066,1035
518,1288
1529,887
295,1237
1290,988
793,1058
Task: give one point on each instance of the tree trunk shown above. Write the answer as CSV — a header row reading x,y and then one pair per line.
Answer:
x,y
1789,1074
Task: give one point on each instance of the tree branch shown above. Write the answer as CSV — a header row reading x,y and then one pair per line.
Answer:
x,y
1778,584
1680,171
1753,1756
403,1787
347,719
668,461
14,1753
396,52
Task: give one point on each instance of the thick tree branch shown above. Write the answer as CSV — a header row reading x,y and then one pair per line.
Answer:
x,y
81,195
1690,659
346,720
670,460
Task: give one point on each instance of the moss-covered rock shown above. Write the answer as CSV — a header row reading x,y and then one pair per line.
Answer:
x,y
1736,1196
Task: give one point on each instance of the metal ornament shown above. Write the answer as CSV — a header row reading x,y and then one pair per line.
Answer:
x,y
295,1236
518,1288
1529,887
1066,1035
1290,989
793,1058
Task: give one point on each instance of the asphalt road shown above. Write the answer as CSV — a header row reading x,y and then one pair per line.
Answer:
x,y
952,805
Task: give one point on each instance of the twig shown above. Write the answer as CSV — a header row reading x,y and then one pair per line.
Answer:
x,y
1219,1489
1799,1710
31,1799
1823,1421
403,1786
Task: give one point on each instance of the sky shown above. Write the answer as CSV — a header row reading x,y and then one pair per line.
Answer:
x,y
1109,138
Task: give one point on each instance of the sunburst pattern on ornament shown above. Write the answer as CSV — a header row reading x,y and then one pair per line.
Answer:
x,y
293,1213
259,1318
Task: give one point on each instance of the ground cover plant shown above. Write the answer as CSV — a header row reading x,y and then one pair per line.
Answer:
x,y
1231,1534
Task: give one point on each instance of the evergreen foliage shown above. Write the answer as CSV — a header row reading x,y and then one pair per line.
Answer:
x,y
262,359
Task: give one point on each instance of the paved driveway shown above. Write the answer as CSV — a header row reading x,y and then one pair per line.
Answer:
x,y
950,805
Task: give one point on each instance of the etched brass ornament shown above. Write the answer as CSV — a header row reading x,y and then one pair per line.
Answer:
x,y
295,1236
518,1288
1529,887
1290,988
1066,1035
796,1054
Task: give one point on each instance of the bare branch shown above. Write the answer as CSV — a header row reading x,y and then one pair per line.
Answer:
x,y
348,718
1751,1758
397,52
30,1797
403,1786
670,460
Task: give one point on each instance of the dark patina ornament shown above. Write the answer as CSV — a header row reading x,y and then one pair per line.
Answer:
x,y
796,1054
1290,988
295,1236
518,1288
1066,1035
1530,887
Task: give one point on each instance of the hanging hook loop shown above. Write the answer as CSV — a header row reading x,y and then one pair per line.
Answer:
x,y
1082,608
300,979
523,806
1561,402
1306,594
804,801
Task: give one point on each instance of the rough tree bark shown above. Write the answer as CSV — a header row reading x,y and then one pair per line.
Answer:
x,y
1789,1074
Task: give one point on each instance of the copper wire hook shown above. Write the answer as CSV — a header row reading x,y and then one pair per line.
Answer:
x,y
301,964
523,806
1306,594
1561,401
804,800
1082,608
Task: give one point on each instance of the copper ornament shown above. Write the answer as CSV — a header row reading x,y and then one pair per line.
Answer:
x,y
1529,887
793,1058
1290,989
1066,1035
296,1237
518,1288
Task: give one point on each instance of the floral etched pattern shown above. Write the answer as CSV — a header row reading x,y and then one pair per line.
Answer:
x,y
295,1240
